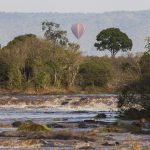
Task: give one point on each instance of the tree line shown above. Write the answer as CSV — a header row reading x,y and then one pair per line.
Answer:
x,y
53,61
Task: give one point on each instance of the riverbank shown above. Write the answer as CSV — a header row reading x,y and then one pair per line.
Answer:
x,y
57,91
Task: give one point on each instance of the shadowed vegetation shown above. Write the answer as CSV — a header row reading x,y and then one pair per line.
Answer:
x,y
135,97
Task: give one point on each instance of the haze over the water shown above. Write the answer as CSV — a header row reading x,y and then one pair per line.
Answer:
x,y
85,6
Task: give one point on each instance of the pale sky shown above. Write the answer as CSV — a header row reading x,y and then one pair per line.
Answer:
x,y
85,6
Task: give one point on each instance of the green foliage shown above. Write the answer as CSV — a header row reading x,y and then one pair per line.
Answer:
x,y
135,114
134,97
42,80
4,69
21,38
145,72
53,33
30,61
94,72
114,40
136,94
15,77
126,98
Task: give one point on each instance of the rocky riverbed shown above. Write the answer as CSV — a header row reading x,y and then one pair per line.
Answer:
x,y
72,122
65,102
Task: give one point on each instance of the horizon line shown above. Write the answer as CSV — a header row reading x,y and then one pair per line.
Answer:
x,y
34,12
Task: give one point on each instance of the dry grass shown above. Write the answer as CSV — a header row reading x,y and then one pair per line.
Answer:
x,y
33,127
134,143
57,90
5,126
39,132
46,90
20,143
137,146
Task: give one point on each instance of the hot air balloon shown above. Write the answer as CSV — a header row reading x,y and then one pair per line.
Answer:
x,y
78,30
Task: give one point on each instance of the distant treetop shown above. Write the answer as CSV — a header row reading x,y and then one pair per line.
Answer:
x,y
113,40
20,38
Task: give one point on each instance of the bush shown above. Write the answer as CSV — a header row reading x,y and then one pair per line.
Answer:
x,y
135,114
29,126
135,97
94,72
100,116
28,61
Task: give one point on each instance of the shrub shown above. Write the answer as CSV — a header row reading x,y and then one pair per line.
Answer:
x,y
29,126
94,72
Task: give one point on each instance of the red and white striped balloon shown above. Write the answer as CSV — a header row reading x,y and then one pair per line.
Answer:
x,y
78,30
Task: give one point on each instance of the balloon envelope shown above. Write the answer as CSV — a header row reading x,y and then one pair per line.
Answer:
x,y
78,30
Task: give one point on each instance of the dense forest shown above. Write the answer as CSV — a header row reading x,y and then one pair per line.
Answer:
x,y
52,62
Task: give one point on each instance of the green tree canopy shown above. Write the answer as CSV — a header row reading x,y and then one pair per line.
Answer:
x,y
21,38
114,40
28,61
54,33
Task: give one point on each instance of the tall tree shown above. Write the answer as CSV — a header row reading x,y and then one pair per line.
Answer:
x,y
54,33
114,40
